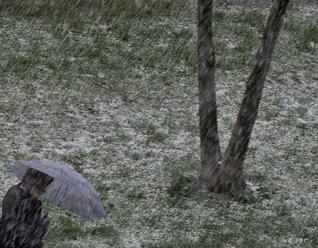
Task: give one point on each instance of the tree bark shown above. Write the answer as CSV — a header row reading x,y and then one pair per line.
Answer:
x,y
210,145
230,174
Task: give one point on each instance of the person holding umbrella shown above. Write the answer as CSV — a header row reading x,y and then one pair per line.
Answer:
x,y
21,223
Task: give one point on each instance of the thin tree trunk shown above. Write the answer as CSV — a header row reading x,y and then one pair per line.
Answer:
x,y
230,175
210,145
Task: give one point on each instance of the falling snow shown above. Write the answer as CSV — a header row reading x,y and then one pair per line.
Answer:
x,y
130,126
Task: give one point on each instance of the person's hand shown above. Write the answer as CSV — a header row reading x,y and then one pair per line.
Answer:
x,y
45,221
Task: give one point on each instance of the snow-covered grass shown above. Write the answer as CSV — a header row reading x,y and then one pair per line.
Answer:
x,y
118,101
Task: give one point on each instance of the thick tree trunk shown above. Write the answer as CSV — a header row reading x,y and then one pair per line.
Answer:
x,y
230,175
210,145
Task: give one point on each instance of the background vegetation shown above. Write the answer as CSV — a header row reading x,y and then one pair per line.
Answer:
x,y
111,89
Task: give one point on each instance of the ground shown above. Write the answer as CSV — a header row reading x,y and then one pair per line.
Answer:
x,y
117,100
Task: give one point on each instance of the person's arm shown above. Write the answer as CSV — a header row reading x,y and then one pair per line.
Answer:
x,y
43,223
33,210
30,211
42,226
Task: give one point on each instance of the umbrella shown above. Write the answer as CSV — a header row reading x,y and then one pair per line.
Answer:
x,y
69,190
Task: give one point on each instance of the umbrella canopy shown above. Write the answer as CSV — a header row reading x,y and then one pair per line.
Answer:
x,y
69,190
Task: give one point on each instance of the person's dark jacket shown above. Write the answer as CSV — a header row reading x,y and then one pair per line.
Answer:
x,y
21,224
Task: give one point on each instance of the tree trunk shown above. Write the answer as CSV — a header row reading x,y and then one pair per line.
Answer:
x,y
230,175
210,145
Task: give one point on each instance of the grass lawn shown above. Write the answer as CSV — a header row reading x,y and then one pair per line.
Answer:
x,y
114,94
